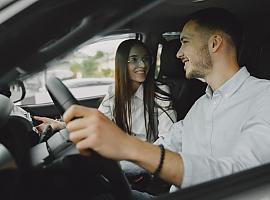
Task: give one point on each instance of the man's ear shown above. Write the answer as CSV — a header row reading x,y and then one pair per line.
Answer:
x,y
215,42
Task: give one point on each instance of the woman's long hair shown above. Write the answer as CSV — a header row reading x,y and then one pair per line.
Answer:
x,y
123,94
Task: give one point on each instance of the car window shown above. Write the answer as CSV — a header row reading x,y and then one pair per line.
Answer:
x,y
87,71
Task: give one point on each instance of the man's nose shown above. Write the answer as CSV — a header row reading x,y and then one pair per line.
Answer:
x,y
179,53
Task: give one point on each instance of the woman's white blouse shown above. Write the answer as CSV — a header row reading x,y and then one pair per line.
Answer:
x,y
137,110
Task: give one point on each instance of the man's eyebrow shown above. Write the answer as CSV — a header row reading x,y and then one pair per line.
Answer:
x,y
184,37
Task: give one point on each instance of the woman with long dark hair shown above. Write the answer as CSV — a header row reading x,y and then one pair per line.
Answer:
x,y
137,103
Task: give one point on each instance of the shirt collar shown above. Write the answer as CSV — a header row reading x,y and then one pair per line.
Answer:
x,y
230,86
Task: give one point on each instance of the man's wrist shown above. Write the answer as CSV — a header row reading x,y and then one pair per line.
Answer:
x,y
132,148
160,165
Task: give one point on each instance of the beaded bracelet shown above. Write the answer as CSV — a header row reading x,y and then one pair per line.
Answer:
x,y
162,156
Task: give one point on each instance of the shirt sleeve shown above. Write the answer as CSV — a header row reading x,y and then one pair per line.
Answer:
x,y
173,140
106,105
165,121
131,168
251,149
18,111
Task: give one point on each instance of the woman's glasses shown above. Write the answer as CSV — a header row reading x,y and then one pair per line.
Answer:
x,y
136,60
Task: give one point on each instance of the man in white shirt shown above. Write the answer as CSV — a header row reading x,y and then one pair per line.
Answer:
x,y
227,130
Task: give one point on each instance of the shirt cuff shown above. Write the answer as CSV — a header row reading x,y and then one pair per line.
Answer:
x,y
198,169
187,170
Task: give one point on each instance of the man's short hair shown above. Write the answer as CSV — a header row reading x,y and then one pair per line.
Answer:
x,y
219,19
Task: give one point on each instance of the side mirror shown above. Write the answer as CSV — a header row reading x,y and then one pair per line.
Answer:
x,y
17,90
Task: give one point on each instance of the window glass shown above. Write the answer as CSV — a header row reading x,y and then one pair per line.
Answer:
x,y
171,35
87,71
158,60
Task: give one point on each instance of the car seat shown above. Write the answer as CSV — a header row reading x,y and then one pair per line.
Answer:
x,y
15,136
184,92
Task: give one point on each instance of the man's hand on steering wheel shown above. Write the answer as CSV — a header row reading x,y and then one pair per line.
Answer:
x,y
90,129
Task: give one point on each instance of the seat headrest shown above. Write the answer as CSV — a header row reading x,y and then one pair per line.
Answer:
x,y
170,66
262,66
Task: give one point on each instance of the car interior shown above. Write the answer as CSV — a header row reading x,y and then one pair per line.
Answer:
x,y
35,33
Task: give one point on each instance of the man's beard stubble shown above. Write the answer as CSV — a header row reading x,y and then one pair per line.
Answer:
x,y
203,65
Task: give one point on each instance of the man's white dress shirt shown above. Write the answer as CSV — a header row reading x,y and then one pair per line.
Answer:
x,y
225,131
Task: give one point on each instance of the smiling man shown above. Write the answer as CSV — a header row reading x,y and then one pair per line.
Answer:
x,y
227,130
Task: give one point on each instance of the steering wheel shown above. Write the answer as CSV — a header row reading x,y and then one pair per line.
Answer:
x,y
110,169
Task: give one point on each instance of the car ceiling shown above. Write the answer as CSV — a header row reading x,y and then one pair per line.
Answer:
x,y
50,28
170,14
